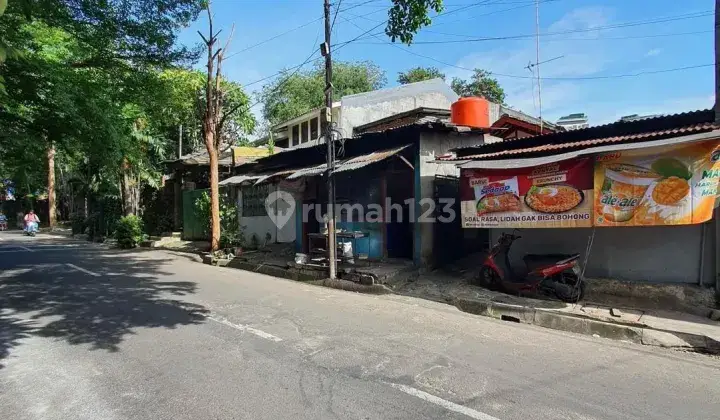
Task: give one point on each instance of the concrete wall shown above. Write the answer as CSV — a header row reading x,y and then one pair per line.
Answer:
x,y
367,107
661,254
353,116
431,145
262,225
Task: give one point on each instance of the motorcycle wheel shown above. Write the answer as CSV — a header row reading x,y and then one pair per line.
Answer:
x,y
567,290
487,278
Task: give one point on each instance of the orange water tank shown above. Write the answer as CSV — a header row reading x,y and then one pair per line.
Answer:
x,y
471,112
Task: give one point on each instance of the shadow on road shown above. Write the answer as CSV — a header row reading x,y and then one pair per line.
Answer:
x,y
46,298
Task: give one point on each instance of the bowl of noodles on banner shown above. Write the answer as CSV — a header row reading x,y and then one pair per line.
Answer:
x,y
553,198
500,195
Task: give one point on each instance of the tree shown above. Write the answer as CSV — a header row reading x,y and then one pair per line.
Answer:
x,y
213,121
418,74
406,17
300,92
480,84
78,68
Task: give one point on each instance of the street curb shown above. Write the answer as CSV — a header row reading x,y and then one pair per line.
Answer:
x,y
305,276
350,286
580,325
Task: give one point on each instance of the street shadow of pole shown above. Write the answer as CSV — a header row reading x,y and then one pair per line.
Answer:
x,y
53,300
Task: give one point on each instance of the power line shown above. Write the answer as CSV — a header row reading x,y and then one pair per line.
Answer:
x,y
596,28
523,5
546,40
514,76
273,38
342,44
337,10
355,5
543,78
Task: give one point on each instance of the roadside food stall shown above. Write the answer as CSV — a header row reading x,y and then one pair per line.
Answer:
x,y
650,201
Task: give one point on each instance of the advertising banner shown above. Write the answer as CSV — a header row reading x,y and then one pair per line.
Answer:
x,y
554,195
668,185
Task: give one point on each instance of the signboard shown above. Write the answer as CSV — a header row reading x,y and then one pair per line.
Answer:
x,y
554,195
669,185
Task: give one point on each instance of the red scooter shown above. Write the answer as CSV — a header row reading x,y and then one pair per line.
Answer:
x,y
557,275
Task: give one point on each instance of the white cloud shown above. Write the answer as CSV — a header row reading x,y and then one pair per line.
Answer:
x,y
576,59
582,18
653,52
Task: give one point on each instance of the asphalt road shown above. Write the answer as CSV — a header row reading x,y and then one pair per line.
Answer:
x,y
92,333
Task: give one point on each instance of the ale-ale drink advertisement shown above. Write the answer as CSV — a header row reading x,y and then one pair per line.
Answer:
x,y
667,185
554,195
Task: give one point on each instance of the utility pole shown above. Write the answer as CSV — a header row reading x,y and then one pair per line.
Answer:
x,y
537,59
180,133
717,74
331,241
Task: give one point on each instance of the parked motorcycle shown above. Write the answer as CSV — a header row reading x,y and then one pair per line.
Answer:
x,y
557,275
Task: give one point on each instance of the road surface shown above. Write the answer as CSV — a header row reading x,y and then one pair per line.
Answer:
x,y
92,333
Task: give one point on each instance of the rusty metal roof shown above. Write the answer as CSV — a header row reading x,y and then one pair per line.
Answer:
x,y
349,164
239,179
614,133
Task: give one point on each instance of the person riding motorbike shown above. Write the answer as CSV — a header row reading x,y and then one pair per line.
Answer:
x,y
31,221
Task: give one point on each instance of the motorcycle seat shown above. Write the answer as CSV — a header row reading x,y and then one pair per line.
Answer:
x,y
548,256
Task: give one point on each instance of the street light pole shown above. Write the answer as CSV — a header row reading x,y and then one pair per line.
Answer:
x,y
331,241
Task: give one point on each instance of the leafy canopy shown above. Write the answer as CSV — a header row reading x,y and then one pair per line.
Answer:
x,y
480,84
288,97
407,17
418,74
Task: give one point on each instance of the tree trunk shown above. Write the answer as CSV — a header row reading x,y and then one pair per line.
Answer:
x,y
214,202
126,189
51,184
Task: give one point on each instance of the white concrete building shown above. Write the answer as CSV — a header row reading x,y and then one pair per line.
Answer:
x,y
573,121
362,108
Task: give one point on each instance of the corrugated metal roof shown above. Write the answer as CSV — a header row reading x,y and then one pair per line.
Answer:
x,y
695,128
429,121
514,113
526,162
643,130
239,179
265,177
349,164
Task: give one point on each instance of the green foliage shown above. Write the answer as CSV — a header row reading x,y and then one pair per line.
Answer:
x,y
481,83
158,214
231,233
77,223
406,17
418,74
288,97
129,231
89,77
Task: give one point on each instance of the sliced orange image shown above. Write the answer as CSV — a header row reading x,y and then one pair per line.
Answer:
x,y
670,191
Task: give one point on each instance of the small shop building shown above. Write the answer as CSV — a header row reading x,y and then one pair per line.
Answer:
x,y
386,185
638,199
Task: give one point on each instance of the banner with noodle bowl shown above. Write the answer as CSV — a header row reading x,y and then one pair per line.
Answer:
x,y
558,194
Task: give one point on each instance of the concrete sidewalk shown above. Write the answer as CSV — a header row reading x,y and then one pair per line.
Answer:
x,y
642,326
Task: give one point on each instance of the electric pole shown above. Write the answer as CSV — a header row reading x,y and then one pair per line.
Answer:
x,y
331,241
180,133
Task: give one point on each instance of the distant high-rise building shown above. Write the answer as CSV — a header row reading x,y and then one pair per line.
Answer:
x,y
573,121
636,117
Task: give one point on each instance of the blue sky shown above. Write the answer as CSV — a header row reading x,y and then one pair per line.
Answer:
x,y
571,83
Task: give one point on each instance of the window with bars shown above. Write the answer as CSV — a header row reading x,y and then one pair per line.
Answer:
x,y
295,135
304,131
314,129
